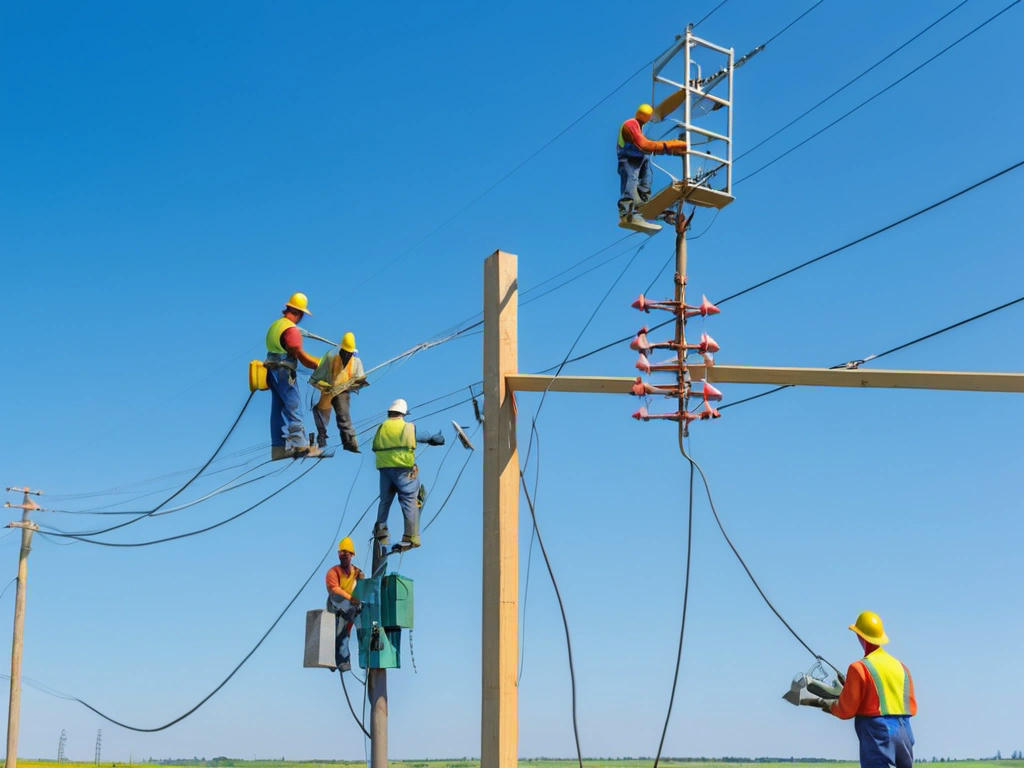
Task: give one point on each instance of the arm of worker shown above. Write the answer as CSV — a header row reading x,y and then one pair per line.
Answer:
x,y
636,135
291,340
320,377
852,695
358,380
435,439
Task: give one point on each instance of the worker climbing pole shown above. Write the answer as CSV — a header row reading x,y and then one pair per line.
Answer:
x,y
706,122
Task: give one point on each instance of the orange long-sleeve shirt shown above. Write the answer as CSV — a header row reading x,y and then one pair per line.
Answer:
x,y
341,584
859,696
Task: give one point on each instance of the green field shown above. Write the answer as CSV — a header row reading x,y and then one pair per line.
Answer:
x,y
540,763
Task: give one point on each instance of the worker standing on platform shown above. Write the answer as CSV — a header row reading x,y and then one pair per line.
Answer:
x,y
284,352
341,584
338,374
634,153
395,446
879,693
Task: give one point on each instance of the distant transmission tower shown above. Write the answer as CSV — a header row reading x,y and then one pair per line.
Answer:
x,y
99,744
60,746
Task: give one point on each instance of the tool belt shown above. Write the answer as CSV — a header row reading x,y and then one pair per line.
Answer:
x,y
284,363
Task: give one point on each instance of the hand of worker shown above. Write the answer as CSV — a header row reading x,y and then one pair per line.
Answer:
x,y
356,603
436,439
826,707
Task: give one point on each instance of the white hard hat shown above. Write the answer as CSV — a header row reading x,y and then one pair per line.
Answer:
x,y
399,406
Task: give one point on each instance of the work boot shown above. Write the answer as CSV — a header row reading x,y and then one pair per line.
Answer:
x,y
408,542
352,447
321,441
380,533
278,452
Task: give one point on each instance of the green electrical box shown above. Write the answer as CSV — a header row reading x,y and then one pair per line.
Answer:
x,y
387,608
396,601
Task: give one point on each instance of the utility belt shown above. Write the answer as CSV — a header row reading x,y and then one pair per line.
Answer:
x,y
275,360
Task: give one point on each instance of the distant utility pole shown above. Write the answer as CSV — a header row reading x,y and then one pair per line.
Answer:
x,y
63,740
14,707
99,744
377,686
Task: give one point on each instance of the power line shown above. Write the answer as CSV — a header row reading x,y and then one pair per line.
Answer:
x,y
846,85
709,14
874,96
891,350
85,537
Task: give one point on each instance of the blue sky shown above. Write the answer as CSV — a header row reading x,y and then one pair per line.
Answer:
x,y
172,173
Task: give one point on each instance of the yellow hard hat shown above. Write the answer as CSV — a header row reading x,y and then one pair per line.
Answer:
x,y
299,302
869,626
646,111
348,342
346,545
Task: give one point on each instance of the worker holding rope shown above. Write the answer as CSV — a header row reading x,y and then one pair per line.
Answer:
x,y
395,447
879,693
634,152
284,353
338,374
341,584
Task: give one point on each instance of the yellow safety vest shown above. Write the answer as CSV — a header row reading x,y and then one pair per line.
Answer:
x,y
892,682
348,583
338,376
278,327
395,444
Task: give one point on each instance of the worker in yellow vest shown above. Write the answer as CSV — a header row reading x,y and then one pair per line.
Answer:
x,y
339,373
395,447
284,353
342,602
879,693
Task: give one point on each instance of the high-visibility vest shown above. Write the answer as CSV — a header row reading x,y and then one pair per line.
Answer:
x,y
395,444
892,682
338,375
347,583
278,327
628,148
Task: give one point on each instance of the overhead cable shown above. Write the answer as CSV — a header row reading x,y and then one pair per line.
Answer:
x,y
263,637
891,350
86,537
848,83
875,95
746,568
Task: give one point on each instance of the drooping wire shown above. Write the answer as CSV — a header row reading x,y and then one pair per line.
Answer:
x,y
746,568
150,512
565,620
455,485
245,658
846,85
682,621
163,540
352,709
875,95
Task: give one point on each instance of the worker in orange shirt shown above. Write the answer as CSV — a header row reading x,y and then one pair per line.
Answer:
x,y
879,693
342,602
634,155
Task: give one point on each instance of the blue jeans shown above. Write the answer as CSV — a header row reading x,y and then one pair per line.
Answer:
x,y
406,483
345,615
285,417
885,741
634,182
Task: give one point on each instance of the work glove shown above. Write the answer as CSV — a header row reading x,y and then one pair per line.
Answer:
x,y
436,439
675,147
826,707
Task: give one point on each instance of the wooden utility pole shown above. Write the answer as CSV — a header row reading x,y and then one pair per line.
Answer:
x,y
499,726
14,706
377,685
499,723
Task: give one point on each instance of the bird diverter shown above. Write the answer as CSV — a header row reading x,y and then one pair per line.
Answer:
x,y
692,90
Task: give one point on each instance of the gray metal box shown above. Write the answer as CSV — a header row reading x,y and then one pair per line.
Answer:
x,y
320,629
